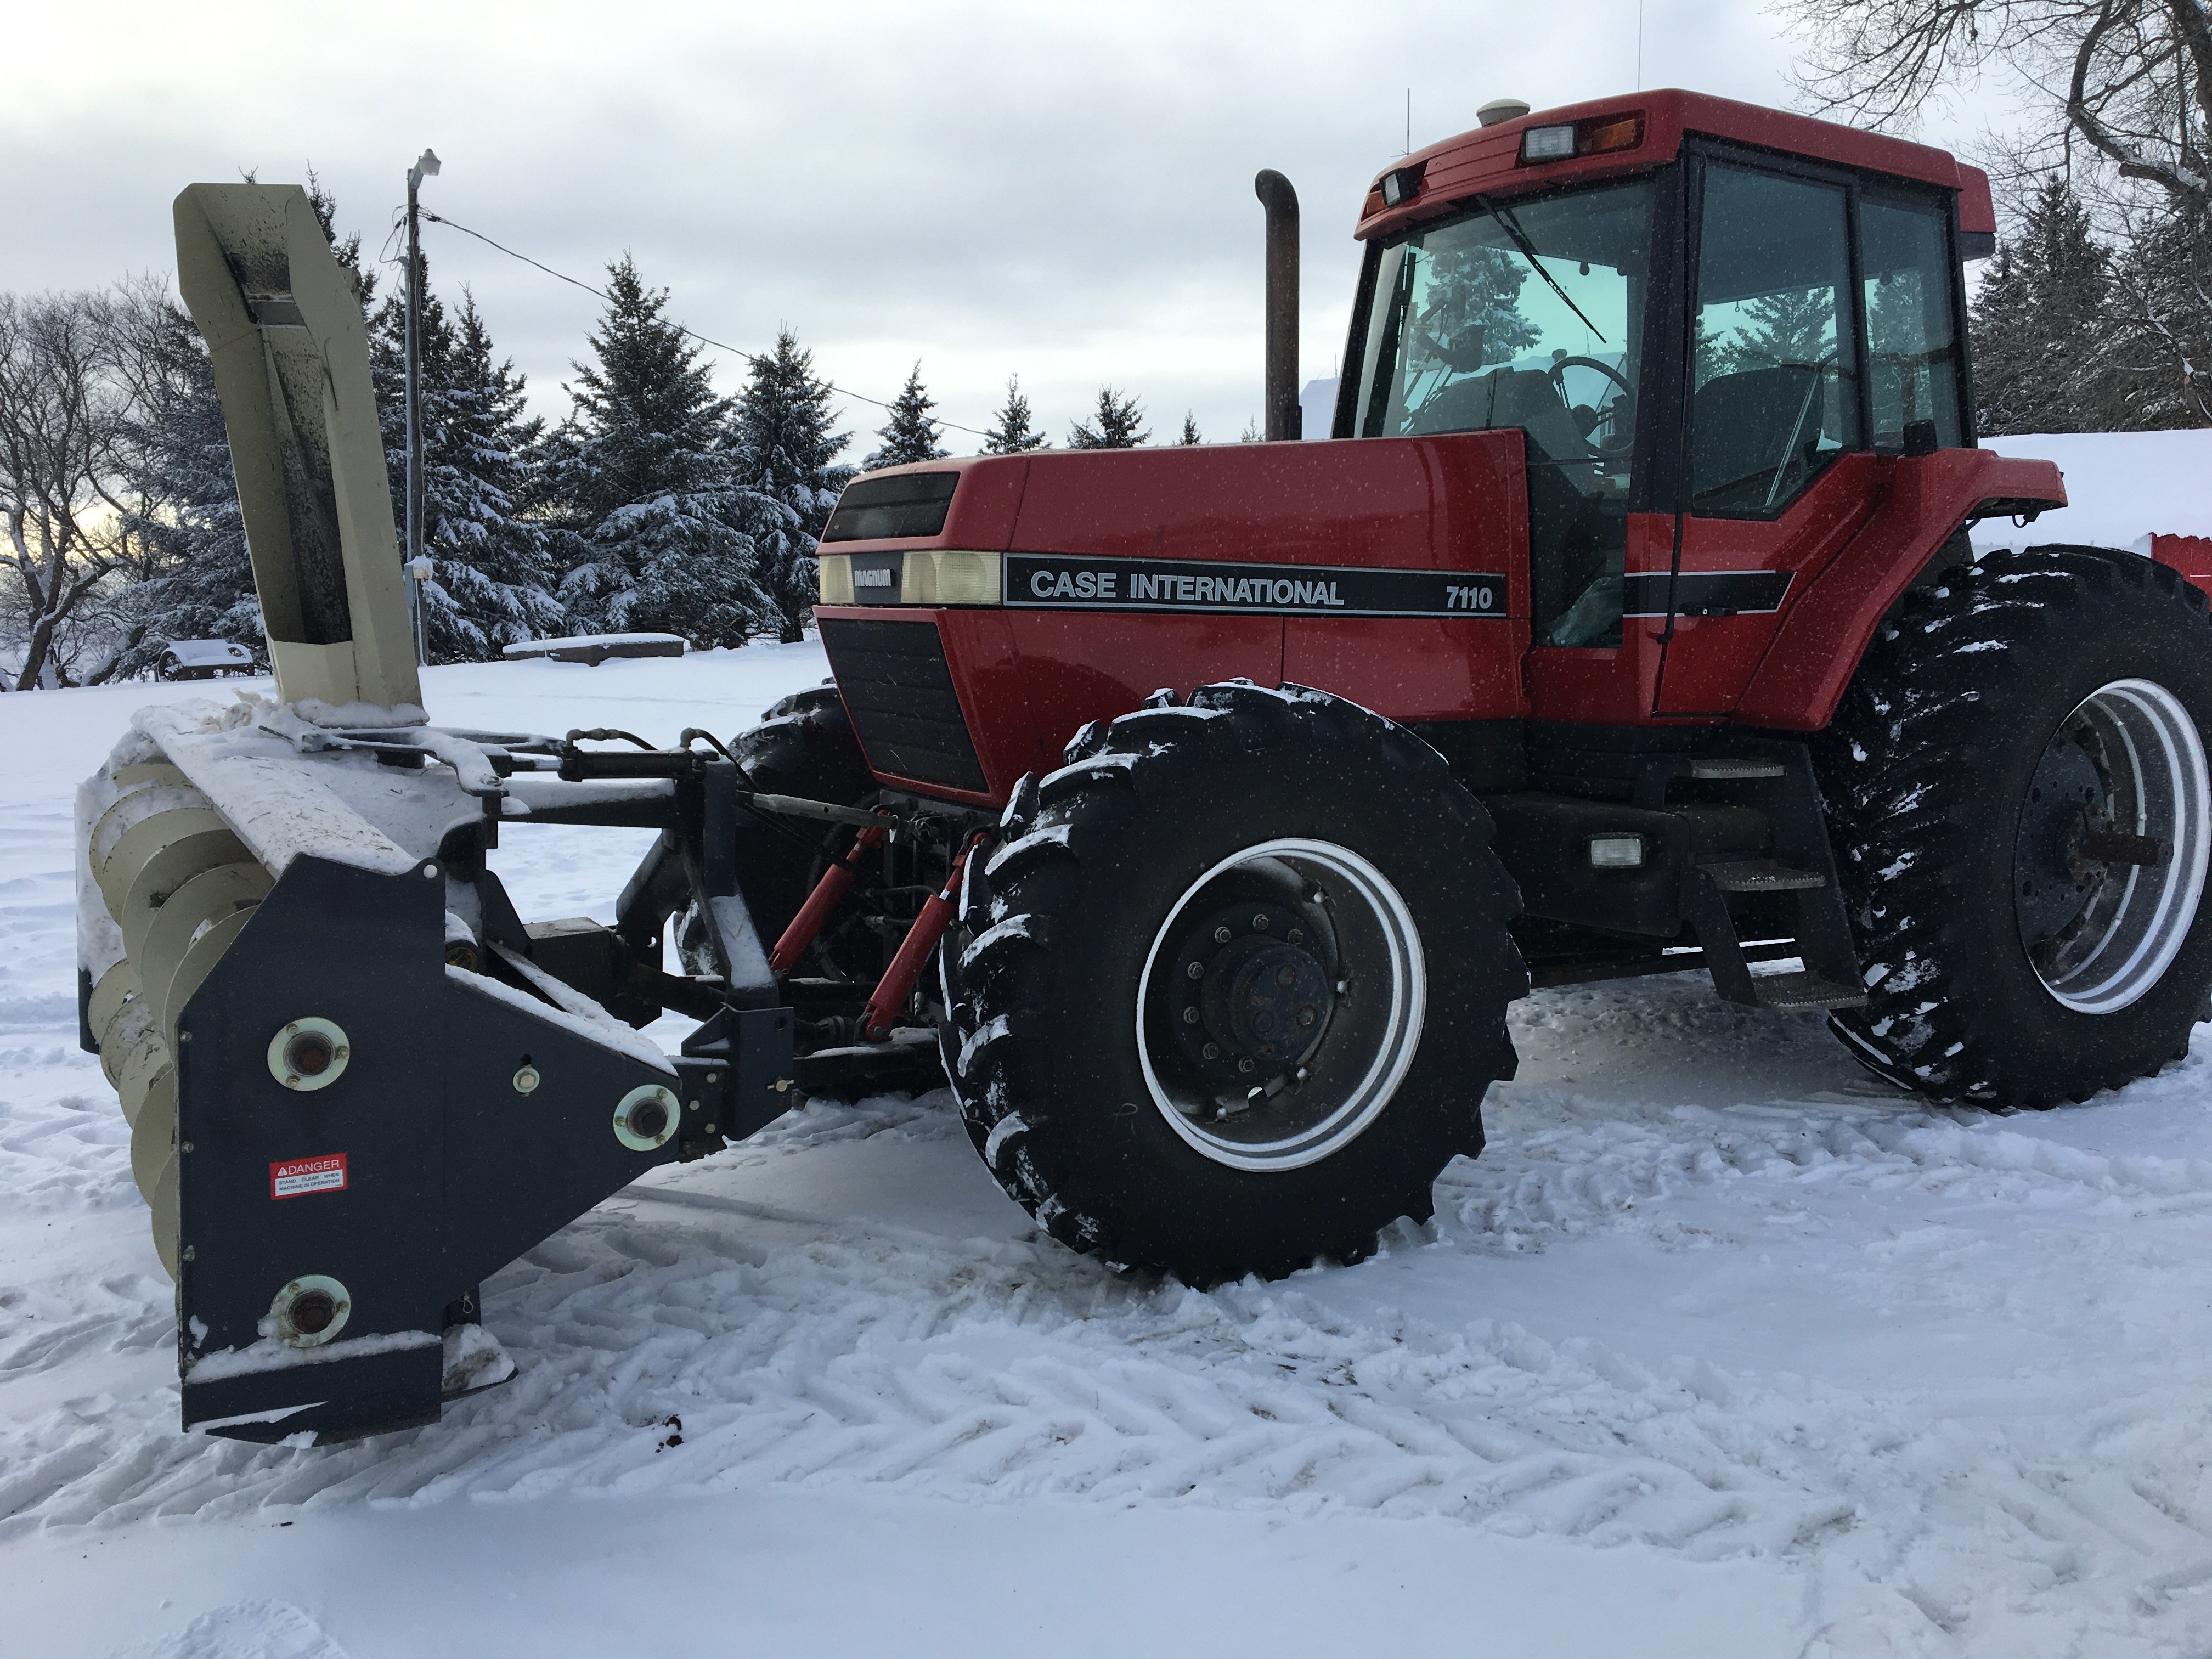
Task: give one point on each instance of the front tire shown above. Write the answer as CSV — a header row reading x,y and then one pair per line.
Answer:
x,y
804,746
1230,996
2022,810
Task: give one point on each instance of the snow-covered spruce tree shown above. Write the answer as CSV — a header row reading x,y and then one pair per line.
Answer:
x,y
492,569
1190,432
909,435
1117,424
194,579
2159,323
785,452
651,530
2041,330
1011,432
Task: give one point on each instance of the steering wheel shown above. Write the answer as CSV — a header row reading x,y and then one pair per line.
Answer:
x,y
1619,446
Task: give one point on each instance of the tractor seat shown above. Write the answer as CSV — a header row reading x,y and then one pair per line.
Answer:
x,y
1507,397
1746,426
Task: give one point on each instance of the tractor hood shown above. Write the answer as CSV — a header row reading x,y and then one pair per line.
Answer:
x,y
1004,530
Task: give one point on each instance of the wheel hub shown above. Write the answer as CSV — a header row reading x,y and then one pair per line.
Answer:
x,y
2111,845
1281,1004
1255,997
2053,881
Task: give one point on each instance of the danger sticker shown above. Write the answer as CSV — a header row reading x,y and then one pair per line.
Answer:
x,y
301,1175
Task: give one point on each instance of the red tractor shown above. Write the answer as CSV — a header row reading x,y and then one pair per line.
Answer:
x,y
1627,622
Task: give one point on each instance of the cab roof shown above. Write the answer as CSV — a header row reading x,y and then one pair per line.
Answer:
x,y
1489,158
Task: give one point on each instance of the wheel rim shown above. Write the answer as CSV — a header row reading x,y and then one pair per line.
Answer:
x,y
2109,859
1281,1005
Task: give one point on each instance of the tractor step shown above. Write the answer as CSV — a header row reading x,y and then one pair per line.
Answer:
x,y
1764,876
1717,769
1804,990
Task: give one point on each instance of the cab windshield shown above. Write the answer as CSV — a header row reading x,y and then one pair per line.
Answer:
x,y
1528,314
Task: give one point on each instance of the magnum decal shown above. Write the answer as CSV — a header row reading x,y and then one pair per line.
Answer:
x,y
1057,582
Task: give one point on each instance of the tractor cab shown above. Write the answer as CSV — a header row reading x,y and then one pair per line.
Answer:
x,y
1714,327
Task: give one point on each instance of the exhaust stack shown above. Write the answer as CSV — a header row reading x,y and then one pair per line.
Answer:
x,y
1275,194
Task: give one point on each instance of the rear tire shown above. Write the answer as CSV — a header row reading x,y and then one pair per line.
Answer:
x,y
1139,965
2009,729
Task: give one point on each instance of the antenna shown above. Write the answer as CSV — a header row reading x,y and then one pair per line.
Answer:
x,y
1409,118
1639,45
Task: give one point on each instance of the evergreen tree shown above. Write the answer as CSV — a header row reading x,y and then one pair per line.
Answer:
x,y
1118,423
1011,433
652,529
785,454
2040,337
189,577
194,581
1471,305
1190,433
909,435
492,569
2158,320
1252,435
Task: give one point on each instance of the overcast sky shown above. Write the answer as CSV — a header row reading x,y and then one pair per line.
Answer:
x,y
1062,192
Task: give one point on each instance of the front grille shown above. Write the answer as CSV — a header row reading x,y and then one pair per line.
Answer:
x,y
899,695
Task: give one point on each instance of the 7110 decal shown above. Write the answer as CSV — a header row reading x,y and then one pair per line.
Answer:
x,y
1058,582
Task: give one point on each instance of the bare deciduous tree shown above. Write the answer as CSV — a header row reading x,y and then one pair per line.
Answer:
x,y
2116,101
2130,79
64,407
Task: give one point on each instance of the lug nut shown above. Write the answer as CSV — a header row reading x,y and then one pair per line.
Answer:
x,y
1212,1051
1196,971
1287,976
1297,936
1221,936
1306,1016
1190,1016
1260,924
1243,1065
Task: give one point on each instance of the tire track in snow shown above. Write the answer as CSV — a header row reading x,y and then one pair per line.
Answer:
x,y
862,1354
1007,1369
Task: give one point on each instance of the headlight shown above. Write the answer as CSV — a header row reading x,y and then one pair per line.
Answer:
x,y
951,578
928,576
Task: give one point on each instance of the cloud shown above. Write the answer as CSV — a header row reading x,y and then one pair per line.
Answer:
x,y
1063,192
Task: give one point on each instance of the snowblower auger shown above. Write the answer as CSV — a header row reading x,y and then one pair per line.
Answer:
x,y
357,1083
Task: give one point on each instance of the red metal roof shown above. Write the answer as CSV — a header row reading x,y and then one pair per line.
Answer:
x,y
1488,159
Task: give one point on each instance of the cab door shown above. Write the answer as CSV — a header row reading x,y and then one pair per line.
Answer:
x,y
1789,435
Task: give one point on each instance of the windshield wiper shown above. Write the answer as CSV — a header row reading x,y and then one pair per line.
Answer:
x,y
1505,218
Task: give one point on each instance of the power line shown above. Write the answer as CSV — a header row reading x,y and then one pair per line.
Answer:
x,y
719,345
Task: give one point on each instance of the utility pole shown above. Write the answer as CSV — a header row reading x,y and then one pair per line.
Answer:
x,y
416,567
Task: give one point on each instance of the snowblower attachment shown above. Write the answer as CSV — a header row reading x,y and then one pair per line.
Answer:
x,y
357,1084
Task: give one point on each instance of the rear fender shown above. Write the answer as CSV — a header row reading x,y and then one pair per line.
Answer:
x,y
1826,630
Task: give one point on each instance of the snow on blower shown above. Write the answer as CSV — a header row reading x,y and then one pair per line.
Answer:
x,y
1196,813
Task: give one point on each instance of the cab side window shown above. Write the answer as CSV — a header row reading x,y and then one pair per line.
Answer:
x,y
1912,328
1775,386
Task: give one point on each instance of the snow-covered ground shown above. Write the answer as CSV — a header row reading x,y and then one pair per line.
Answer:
x,y
1721,1349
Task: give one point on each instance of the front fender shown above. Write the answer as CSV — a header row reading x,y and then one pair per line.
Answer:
x,y
1827,627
